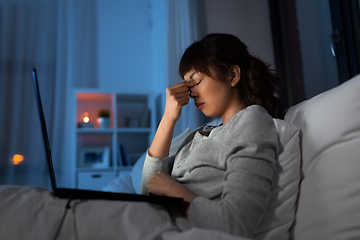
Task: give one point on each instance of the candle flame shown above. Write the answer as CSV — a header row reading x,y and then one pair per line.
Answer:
x,y
86,118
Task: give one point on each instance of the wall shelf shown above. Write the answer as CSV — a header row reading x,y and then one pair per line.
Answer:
x,y
102,153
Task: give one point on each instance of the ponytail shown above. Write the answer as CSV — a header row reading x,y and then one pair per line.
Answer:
x,y
258,85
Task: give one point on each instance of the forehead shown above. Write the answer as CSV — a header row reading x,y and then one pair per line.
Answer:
x,y
196,73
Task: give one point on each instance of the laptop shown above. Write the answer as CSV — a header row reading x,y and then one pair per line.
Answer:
x,y
69,193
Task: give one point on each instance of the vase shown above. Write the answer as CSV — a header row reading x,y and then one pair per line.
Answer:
x,y
104,122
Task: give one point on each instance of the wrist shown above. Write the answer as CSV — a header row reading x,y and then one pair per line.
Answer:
x,y
169,120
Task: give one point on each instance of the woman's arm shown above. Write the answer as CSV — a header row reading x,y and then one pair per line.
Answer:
x,y
176,96
157,155
163,185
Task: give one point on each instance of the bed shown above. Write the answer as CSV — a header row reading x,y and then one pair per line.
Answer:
x,y
317,194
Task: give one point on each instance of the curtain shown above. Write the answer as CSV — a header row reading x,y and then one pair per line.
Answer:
x,y
58,38
183,31
174,28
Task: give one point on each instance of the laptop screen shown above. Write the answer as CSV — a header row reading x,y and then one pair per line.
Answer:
x,y
44,130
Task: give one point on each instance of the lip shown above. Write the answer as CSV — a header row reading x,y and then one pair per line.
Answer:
x,y
199,105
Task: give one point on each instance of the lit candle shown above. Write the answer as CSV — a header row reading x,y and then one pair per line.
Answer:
x,y
86,118
86,121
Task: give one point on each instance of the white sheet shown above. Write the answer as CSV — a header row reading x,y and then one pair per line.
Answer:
x,y
33,213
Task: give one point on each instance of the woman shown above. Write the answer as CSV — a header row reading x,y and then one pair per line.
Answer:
x,y
224,174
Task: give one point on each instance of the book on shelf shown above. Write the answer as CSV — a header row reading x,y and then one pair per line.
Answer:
x,y
122,159
145,119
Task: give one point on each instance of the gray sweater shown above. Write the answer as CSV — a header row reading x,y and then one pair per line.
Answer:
x,y
229,167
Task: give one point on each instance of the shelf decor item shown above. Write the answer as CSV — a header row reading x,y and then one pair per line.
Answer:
x,y
94,157
86,121
104,118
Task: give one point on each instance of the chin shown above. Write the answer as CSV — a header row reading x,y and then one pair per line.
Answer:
x,y
210,114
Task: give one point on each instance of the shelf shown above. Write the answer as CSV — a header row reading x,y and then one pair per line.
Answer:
x,y
128,137
89,169
133,130
118,169
94,130
97,131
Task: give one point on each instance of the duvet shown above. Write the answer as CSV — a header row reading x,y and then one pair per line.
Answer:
x,y
34,213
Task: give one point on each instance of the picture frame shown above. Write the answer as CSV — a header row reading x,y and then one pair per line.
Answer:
x,y
94,157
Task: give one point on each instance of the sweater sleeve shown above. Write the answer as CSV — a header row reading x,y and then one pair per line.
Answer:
x,y
250,158
151,166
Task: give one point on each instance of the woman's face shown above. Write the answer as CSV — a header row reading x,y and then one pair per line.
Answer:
x,y
214,97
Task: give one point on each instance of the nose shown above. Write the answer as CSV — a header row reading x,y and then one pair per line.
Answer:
x,y
192,93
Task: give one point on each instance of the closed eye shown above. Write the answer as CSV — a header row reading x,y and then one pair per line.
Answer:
x,y
195,84
199,82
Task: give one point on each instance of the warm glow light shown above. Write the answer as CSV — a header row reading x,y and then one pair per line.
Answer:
x,y
86,119
17,159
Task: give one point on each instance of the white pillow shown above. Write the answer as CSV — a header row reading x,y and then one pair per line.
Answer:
x,y
280,212
121,184
136,173
329,200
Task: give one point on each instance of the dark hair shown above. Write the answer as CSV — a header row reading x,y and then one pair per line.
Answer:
x,y
221,52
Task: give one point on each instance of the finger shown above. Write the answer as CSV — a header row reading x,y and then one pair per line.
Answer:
x,y
155,175
183,101
183,86
179,97
178,85
190,83
185,83
150,189
179,89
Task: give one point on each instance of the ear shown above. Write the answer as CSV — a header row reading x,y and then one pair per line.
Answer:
x,y
235,75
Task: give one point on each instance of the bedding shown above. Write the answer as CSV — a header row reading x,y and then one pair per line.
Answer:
x,y
327,206
34,213
329,201
280,212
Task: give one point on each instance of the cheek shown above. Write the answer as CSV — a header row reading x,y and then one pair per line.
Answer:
x,y
214,88
217,96
218,90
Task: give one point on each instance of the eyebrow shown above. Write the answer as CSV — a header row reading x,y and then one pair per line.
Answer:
x,y
192,75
